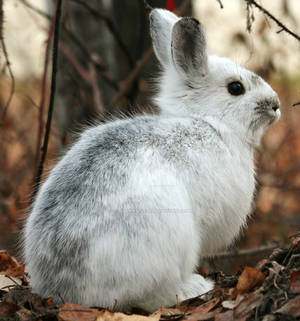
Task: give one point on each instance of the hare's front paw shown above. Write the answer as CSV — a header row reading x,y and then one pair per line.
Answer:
x,y
195,286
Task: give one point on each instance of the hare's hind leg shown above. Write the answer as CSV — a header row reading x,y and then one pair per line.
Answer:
x,y
195,285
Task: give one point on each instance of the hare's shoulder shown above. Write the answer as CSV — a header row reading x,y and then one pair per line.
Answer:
x,y
140,131
118,144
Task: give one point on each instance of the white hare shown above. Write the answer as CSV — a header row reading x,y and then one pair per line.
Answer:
x,y
124,218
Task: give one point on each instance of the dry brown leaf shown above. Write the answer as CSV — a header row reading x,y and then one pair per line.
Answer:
x,y
295,282
295,239
250,278
229,304
7,309
247,305
6,283
261,263
226,316
291,308
24,315
205,307
202,315
169,311
74,312
106,315
10,266
269,317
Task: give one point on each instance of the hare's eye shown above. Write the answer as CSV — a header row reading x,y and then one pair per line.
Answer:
x,y
236,88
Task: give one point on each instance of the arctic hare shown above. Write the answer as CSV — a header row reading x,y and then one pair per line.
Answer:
x,y
125,216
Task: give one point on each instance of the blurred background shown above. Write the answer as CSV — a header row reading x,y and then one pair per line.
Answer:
x,y
106,67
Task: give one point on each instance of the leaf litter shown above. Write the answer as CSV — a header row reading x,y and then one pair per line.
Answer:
x,y
269,292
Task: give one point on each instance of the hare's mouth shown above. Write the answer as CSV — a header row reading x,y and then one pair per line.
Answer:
x,y
268,109
266,113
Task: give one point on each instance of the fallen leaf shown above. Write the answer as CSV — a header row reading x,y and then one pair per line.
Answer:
x,y
250,278
74,312
25,315
247,305
295,282
7,309
10,266
202,315
6,283
22,295
269,317
204,307
291,308
261,263
226,316
169,311
229,304
106,315
295,239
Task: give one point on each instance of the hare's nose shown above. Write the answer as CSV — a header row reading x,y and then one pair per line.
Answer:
x,y
275,107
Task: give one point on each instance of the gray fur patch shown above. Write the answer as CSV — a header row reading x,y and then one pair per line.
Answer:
x,y
188,48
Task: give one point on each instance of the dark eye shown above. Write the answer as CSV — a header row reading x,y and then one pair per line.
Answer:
x,y
236,88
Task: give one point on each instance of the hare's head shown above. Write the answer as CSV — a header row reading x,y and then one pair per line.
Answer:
x,y
194,82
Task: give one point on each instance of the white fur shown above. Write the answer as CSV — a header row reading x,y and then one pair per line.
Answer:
x,y
127,225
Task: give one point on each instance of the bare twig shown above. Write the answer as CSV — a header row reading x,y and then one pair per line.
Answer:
x,y
147,5
1,19
131,78
110,26
94,59
35,9
101,67
90,75
12,88
126,85
74,61
43,99
246,252
52,94
221,4
267,13
250,17
296,104
96,91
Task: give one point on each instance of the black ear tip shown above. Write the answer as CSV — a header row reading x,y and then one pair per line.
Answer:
x,y
189,21
195,21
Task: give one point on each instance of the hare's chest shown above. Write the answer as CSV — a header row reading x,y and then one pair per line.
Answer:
x,y
222,197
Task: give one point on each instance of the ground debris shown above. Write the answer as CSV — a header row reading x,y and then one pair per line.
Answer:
x,y
269,292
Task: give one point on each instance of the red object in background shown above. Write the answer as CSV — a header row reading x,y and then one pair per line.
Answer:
x,y
170,5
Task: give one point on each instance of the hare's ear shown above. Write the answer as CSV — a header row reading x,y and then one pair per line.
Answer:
x,y
161,24
189,48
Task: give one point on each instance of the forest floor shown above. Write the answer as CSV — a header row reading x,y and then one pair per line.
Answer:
x,y
269,292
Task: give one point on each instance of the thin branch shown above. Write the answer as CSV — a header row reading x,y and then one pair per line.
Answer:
x,y
126,85
12,88
35,9
52,94
1,19
267,13
246,252
221,4
296,104
131,78
110,26
95,60
74,61
90,75
147,5
96,90
43,98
